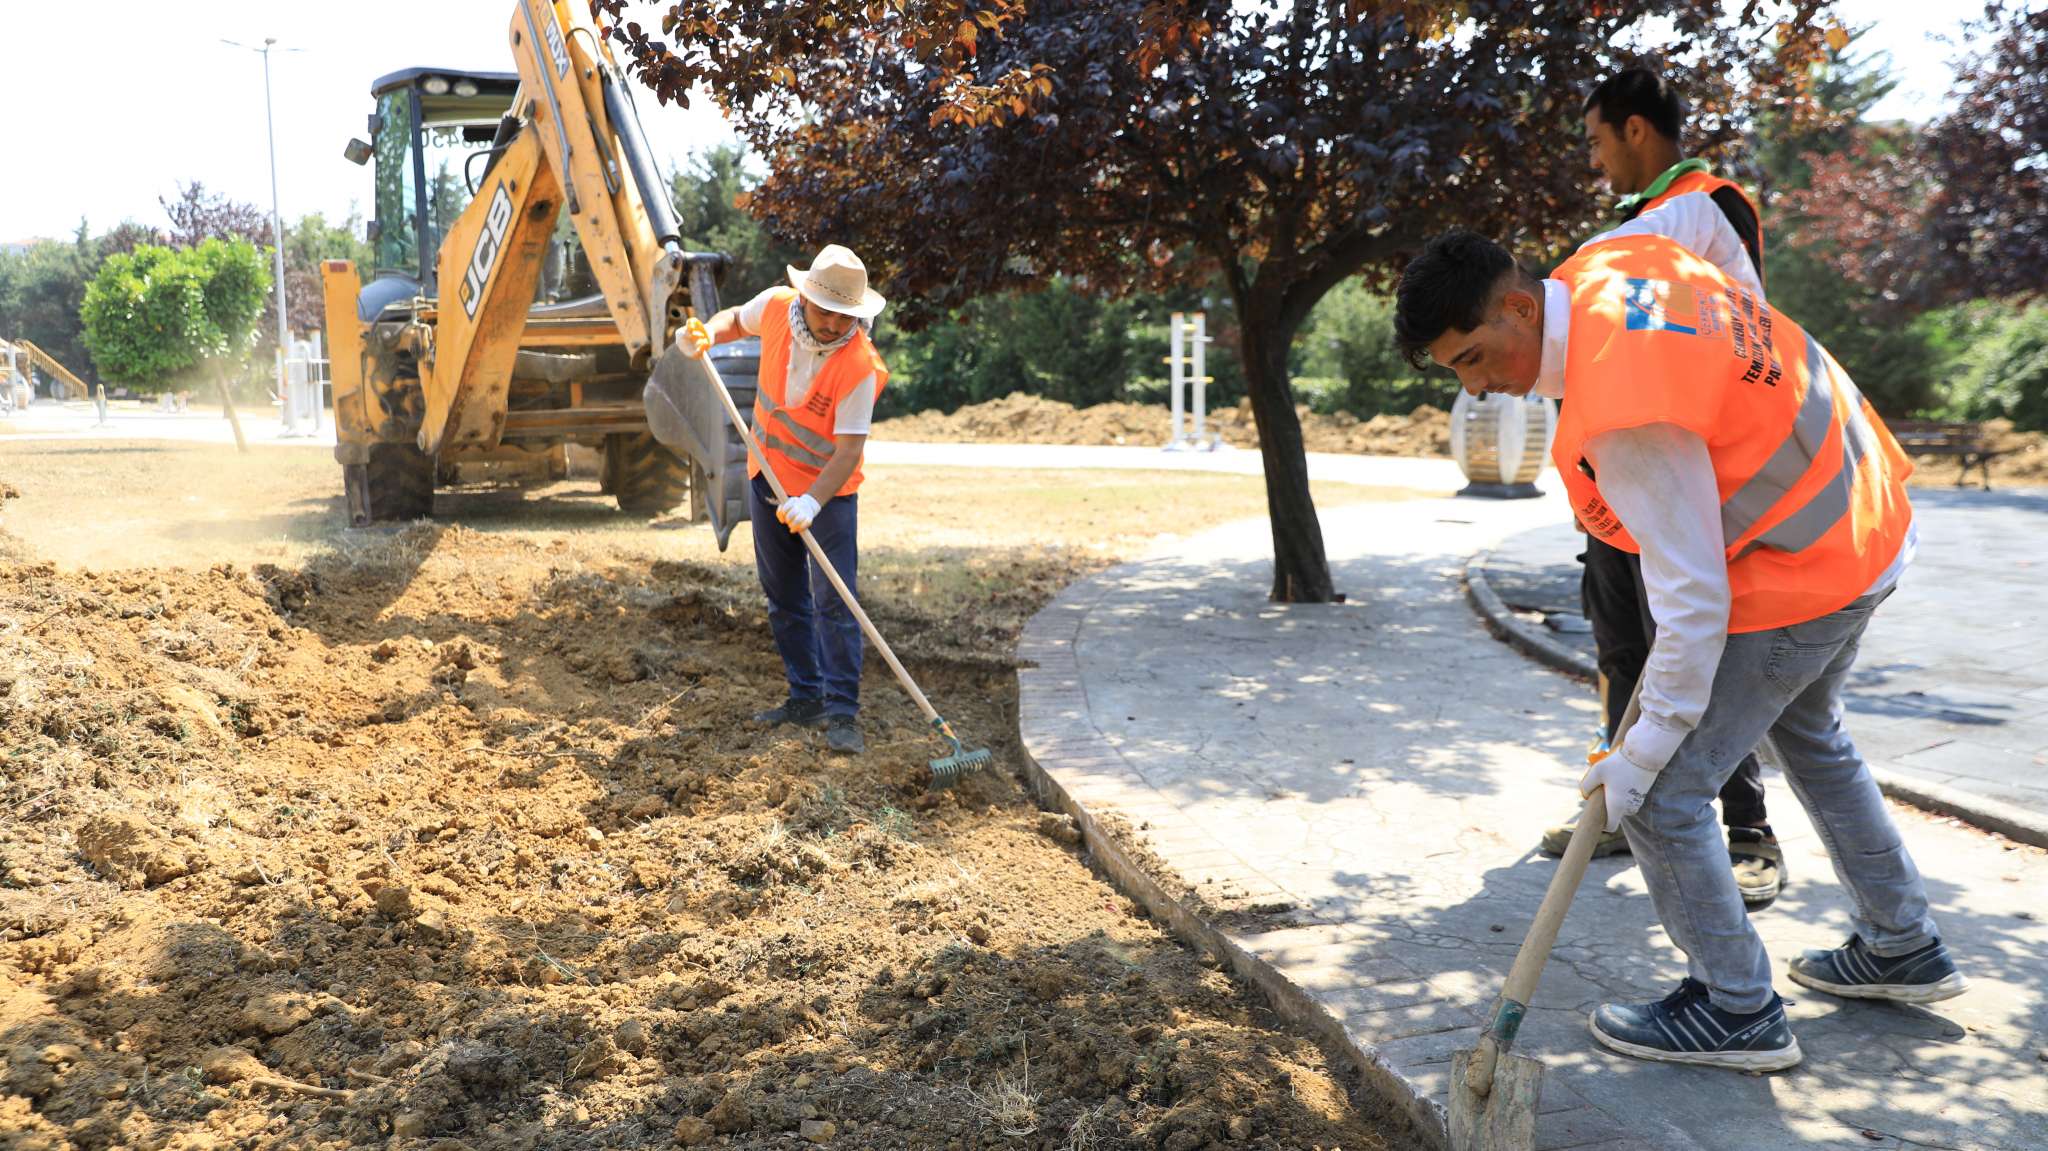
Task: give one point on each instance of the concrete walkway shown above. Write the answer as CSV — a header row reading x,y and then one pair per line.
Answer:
x,y
1950,697
201,422
1343,801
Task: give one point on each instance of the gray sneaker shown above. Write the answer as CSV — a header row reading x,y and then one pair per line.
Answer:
x,y
842,736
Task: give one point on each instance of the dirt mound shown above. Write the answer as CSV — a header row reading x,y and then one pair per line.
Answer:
x,y
1021,418
458,844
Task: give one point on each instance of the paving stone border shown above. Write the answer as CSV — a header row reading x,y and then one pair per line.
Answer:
x,y
1075,770
1977,810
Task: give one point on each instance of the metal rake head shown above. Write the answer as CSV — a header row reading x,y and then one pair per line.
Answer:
x,y
947,770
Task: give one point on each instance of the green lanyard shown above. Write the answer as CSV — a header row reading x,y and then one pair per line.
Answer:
x,y
1658,185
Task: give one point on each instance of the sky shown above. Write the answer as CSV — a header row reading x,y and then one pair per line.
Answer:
x,y
147,97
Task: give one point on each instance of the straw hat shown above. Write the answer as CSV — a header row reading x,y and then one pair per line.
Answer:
x,y
838,282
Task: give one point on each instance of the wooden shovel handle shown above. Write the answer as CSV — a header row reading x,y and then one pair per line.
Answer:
x,y
1535,952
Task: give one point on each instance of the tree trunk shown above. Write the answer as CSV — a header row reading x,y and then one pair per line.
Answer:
x,y
227,401
1301,571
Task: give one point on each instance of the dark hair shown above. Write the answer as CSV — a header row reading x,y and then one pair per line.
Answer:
x,y
1638,92
1446,287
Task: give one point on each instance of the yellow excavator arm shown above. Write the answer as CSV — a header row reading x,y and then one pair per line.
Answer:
x,y
577,144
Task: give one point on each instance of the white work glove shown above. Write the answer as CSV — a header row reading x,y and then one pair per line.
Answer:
x,y
797,512
695,338
1627,784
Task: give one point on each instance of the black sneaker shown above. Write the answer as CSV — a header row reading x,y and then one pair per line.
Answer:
x,y
842,736
1855,972
1684,1027
801,712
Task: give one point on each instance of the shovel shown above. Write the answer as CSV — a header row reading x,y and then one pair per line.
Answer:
x,y
946,769
1493,1091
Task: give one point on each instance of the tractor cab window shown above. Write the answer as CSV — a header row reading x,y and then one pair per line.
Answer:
x,y
457,124
430,139
397,247
453,165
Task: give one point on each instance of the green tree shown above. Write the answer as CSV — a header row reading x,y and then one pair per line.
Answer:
x,y
156,317
306,243
40,293
711,196
1350,337
2005,372
1060,343
1896,355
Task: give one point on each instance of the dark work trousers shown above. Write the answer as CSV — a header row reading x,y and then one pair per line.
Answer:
x,y
1611,590
819,639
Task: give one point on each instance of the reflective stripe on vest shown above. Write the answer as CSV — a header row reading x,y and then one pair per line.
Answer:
x,y
1813,502
799,440
1826,508
811,442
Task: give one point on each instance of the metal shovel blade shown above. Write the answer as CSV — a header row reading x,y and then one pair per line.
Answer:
x,y
1503,1119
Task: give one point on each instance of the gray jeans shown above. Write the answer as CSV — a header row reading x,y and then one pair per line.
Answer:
x,y
1786,682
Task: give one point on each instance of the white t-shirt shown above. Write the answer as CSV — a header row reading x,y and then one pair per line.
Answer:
x,y
856,412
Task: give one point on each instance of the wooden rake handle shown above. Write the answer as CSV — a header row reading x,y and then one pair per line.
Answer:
x,y
1535,952
732,411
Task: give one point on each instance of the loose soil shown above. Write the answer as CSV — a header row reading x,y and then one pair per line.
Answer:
x,y
450,837
1021,418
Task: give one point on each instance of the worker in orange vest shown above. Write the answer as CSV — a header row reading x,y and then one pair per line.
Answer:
x,y
820,376
1634,120
1708,433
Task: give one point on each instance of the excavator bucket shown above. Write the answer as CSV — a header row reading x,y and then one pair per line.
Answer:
x,y
685,414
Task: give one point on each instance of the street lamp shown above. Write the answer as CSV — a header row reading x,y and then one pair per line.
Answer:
x,y
276,219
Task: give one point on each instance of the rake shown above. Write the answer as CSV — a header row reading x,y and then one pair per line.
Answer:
x,y
946,769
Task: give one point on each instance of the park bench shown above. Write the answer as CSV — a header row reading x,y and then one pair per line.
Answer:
x,y
1967,442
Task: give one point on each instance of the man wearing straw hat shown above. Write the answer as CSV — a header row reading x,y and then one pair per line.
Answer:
x,y
820,375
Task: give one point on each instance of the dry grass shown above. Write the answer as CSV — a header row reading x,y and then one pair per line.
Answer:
x,y
131,504
1007,1102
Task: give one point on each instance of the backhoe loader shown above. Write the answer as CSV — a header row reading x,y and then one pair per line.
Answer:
x,y
528,283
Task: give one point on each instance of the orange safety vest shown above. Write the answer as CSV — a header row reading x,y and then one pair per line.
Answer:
x,y
1709,185
799,441
1707,182
1812,485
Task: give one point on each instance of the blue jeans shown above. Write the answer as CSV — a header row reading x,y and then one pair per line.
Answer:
x,y
1787,683
819,639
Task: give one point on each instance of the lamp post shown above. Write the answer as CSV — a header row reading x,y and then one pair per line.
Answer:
x,y
276,218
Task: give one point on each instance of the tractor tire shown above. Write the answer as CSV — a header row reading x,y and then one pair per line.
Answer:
x,y
642,475
397,484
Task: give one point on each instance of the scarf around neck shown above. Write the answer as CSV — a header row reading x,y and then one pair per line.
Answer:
x,y
1657,186
800,331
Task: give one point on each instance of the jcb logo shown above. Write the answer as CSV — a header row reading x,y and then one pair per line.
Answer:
x,y
557,50
489,243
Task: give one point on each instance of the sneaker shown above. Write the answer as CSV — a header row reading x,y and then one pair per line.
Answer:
x,y
1759,864
801,712
1558,838
1855,972
1685,1027
842,736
